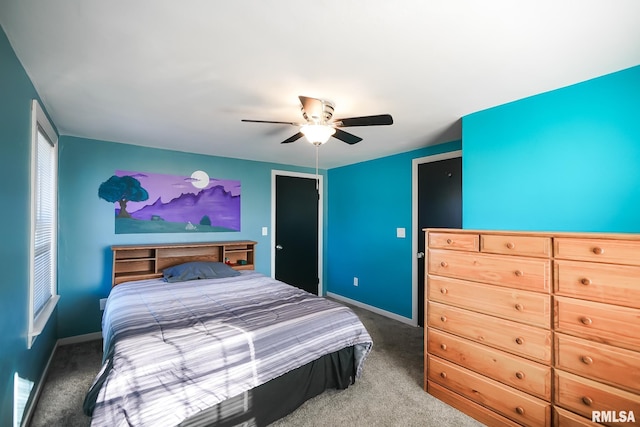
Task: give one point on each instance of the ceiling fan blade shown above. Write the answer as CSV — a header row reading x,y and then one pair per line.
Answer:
x,y
347,137
270,121
377,120
312,106
294,138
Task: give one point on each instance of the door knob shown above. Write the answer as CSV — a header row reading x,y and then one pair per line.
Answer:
x,y
420,255
279,247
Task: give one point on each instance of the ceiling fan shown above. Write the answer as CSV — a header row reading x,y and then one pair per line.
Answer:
x,y
319,124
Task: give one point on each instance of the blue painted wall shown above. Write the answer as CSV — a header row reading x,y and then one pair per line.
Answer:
x,y
16,93
566,160
87,223
366,203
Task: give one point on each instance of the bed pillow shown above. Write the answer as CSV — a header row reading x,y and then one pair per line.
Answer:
x,y
198,270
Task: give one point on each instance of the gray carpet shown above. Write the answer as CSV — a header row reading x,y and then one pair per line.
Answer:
x,y
389,393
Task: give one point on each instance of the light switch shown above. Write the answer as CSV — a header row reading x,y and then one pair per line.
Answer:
x,y
265,231
400,232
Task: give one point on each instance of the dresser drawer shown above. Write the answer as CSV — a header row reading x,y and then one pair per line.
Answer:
x,y
599,250
528,341
615,284
611,365
564,418
609,324
469,407
516,405
583,396
457,241
521,306
535,246
514,371
517,272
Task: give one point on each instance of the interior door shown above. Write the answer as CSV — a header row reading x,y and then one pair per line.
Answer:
x,y
296,232
439,205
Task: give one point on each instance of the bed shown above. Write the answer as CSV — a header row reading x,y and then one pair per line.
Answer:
x,y
234,348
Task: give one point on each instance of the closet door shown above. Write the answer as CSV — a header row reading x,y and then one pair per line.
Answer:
x,y
296,251
439,205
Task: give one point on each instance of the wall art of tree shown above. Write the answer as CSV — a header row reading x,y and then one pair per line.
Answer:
x,y
122,189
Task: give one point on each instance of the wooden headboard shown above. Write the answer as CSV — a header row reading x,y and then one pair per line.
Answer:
x,y
138,262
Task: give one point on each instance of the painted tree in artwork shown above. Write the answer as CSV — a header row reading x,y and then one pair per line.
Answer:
x,y
122,189
205,220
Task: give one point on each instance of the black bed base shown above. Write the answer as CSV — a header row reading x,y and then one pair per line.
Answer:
x,y
281,396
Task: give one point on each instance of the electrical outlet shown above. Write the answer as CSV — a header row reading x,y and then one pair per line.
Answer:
x,y
355,281
103,302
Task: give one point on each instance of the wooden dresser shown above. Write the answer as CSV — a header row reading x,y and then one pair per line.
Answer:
x,y
534,329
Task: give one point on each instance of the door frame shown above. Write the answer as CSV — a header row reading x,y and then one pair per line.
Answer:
x,y
274,174
414,224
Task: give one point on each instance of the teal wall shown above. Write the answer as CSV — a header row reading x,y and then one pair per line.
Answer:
x,y
87,222
16,93
566,160
366,203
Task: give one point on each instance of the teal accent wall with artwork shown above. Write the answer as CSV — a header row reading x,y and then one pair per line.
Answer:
x,y
565,160
367,202
87,221
16,93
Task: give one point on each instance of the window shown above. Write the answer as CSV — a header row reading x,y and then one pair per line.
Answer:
x,y
44,213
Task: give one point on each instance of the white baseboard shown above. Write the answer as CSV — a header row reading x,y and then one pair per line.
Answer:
x,y
80,338
28,413
376,310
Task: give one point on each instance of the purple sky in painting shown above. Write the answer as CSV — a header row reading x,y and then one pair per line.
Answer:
x,y
168,187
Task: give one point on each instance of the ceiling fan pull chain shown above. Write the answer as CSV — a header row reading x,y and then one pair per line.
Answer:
x,y
317,178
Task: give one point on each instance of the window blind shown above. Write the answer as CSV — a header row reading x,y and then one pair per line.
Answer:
x,y
45,216
43,292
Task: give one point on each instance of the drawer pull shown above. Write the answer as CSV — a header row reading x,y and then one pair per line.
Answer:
x,y
443,346
443,318
449,241
443,374
587,400
519,341
585,281
586,321
510,245
597,250
519,307
443,264
586,360
443,290
520,410
520,375
518,273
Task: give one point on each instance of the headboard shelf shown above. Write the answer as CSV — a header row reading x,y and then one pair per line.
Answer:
x,y
136,254
139,262
126,277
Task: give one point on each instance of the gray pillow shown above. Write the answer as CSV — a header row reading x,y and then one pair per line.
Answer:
x,y
198,270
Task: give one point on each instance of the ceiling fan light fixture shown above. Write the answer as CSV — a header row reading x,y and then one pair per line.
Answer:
x,y
317,134
319,126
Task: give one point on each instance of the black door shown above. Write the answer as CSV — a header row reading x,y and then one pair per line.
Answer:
x,y
439,205
296,256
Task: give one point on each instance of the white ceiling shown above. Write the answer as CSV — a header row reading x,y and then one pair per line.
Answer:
x,y
182,74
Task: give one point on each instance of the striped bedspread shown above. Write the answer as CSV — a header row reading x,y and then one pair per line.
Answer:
x,y
174,349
